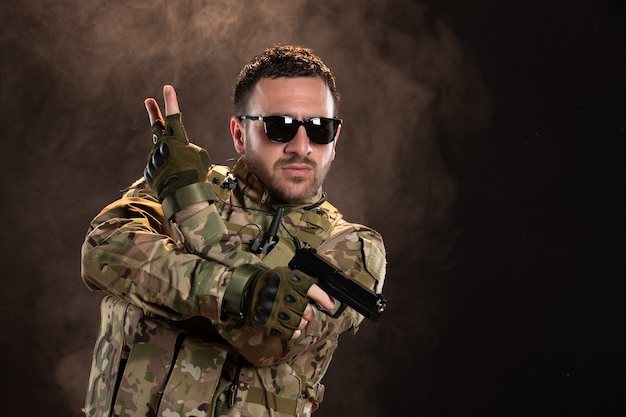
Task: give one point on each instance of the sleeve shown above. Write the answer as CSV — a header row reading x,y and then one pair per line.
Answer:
x,y
359,251
129,252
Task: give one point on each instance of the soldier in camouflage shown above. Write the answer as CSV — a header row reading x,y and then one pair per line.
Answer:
x,y
203,317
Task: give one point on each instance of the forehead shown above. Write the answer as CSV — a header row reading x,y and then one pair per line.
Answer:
x,y
294,96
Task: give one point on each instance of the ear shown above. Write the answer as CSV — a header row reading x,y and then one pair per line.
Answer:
x,y
237,131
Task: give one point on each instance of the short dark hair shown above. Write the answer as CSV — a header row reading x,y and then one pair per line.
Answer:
x,y
281,61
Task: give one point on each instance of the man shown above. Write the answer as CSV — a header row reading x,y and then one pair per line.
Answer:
x,y
203,315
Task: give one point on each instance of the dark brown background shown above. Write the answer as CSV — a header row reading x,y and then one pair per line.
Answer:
x,y
484,139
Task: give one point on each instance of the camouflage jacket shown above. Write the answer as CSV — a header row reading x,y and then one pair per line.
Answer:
x,y
165,348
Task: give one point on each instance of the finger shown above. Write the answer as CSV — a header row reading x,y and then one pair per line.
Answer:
x,y
309,313
303,324
171,100
296,334
154,112
318,295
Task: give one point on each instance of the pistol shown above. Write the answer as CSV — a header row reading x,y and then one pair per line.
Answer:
x,y
338,285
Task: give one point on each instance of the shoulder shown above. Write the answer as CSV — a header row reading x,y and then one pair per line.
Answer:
x,y
137,202
359,250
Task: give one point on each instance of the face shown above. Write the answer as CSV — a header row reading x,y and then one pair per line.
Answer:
x,y
295,170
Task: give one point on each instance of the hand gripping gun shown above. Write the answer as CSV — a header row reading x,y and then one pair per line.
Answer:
x,y
338,285
330,279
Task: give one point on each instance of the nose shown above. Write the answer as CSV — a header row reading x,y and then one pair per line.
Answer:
x,y
300,144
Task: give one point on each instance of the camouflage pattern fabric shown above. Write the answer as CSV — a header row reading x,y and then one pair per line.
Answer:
x,y
118,319
167,372
178,274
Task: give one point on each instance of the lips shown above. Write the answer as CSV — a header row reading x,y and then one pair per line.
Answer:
x,y
296,169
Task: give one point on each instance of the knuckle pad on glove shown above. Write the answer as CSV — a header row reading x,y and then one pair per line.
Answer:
x,y
161,155
150,171
279,301
158,158
174,163
263,310
276,332
267,296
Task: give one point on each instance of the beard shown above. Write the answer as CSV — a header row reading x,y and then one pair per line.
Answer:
x,y
288,189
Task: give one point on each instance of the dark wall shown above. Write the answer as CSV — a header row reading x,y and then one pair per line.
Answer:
x,y
484,139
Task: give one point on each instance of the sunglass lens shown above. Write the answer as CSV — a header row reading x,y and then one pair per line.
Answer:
x,y
321,130
280,129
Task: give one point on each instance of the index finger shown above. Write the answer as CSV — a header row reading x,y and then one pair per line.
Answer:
x,y
171,100
318,295
171,105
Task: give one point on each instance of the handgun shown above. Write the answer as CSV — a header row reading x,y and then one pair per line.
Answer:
x,y
338,285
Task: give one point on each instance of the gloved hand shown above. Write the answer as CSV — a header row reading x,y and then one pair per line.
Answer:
x,y
176,168
271,300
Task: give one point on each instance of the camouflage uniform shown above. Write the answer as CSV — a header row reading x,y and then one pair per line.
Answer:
x,y
165,348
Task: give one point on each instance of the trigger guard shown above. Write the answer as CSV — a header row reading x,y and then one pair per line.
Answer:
x,y
339,308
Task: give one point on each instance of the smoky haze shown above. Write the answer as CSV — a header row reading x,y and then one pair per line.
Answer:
x,y
75,92
73,78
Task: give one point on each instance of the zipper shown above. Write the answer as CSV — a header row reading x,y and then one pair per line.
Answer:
x,y
234,387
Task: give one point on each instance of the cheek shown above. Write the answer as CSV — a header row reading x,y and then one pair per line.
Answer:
x,y
252,143
254,146
263,153
328,156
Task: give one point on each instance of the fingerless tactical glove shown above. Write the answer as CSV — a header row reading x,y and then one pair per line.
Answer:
x,y
271,300
176,168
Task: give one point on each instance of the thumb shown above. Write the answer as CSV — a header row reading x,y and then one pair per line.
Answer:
x,y
154,112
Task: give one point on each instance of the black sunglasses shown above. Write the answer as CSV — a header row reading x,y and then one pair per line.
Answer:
x,y
281,129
